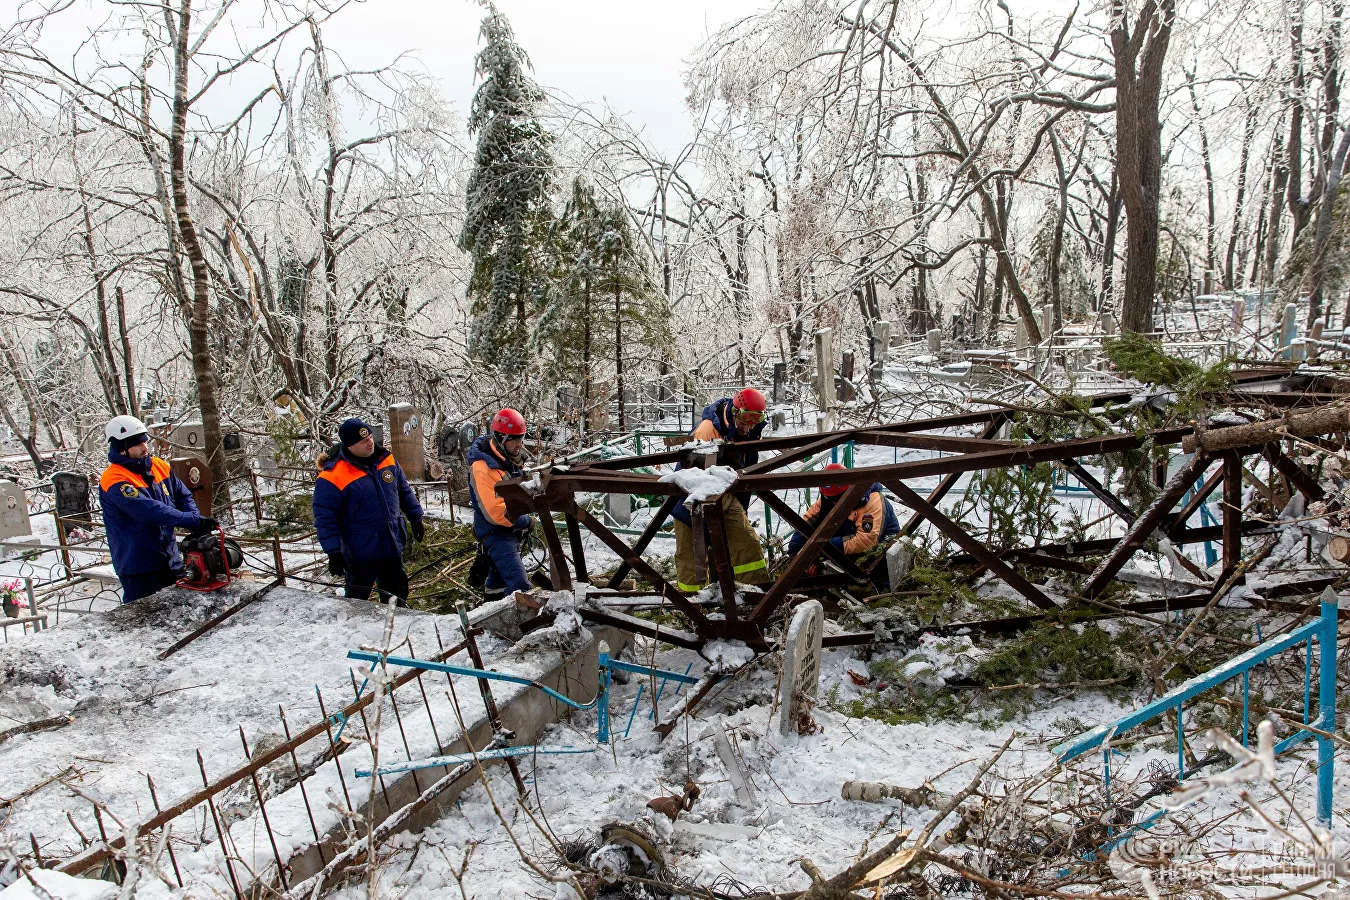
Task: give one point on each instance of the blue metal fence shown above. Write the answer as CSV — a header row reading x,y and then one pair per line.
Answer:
x,y
1321,631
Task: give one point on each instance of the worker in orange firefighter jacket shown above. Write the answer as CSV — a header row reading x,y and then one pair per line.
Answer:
x,y
492,458
143,501
734,420
360,500
873,520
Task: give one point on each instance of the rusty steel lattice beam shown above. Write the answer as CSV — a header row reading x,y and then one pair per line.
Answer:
x,y
1144,526
648,534
557,491
947,483
1192,506
643,568
797,523
822,533
970,544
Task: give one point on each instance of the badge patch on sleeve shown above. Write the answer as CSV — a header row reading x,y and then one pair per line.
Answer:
x,y
129,490
866,523
388,476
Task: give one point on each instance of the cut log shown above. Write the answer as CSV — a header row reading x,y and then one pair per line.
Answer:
x,y
1339,549
1323,421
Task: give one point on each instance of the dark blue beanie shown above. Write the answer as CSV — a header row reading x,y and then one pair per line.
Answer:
x,y
353,431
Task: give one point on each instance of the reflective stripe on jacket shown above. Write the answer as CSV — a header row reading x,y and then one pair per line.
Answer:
x,y
871,521
359,505
143,501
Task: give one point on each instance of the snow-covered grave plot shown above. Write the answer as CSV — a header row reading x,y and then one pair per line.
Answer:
x,y
747,840
93,715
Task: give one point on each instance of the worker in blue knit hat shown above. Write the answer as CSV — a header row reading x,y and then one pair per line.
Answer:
x,y
360,501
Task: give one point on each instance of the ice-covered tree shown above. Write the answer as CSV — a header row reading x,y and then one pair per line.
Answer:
x,y
507,216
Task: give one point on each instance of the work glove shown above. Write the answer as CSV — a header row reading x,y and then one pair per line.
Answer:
x,y
205,524
337,566
419,530
524,525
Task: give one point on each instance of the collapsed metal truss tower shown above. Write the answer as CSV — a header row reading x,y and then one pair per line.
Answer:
x,y
1314,409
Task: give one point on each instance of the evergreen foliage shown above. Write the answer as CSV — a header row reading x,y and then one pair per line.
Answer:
x,y
508,218
604,294
1144,360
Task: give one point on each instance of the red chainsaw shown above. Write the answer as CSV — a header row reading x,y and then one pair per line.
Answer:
x,y
210,559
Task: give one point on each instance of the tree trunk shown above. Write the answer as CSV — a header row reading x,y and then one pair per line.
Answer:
x,y
128,361
1113,205
1139,57
1325,213
1279,180
1299,205
327,235
1211,227
618,343
981,285
1231,278
1057,241
198,324
585,354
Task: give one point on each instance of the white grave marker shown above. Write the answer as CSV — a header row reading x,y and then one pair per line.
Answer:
x,y
801,664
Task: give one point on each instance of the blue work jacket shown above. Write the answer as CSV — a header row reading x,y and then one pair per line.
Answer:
x,y
143,501
359,506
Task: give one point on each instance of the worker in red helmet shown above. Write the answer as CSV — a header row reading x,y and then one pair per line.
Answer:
x,y
738,419
493,457
872,521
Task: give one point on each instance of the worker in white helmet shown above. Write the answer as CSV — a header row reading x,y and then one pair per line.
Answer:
x,y
143,502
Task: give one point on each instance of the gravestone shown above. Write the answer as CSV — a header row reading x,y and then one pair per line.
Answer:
x,y
1023,338
1288,333
935,340
779,382
1239,311
801,665
899,560
13,512
1108,323
189,436
405,440
196,474
881,343
847,393
620,508
1047,323
825,390
72,498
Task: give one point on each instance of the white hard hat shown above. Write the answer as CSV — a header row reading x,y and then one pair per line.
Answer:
x,y
123,427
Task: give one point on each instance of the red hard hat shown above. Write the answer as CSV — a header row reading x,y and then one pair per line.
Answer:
x,y
834,490
750,400
508,421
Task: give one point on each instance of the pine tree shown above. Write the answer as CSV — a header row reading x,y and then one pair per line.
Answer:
x,y
633,299
569,323
604,289
507,218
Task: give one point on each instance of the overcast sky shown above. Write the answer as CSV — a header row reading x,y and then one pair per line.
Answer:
x,y
630,53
